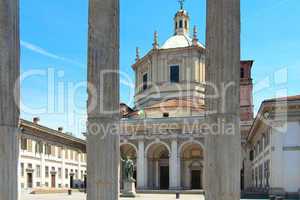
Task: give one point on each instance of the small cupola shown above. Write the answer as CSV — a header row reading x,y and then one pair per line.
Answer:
x,y
182,21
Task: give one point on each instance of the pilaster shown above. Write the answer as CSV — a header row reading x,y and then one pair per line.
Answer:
x,y
43,165
63,172
277,160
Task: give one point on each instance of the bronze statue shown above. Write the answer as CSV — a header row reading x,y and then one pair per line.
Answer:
x,y
128,169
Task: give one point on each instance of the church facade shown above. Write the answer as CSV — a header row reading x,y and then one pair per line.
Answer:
x,y
164,132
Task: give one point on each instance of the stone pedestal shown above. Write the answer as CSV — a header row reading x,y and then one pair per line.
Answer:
x,y
129,189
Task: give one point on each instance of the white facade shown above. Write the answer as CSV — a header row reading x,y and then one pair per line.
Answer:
x,y
286,158
275,143
48,159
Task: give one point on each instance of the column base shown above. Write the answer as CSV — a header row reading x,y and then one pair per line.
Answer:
x,y
175,188
142,188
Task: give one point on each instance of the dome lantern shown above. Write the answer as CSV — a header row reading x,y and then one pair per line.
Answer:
x,y
182,21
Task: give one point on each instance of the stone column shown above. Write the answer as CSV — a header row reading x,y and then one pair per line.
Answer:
x,y
9,98
157,183
223,148
146,170
141,165
174,174
103,103
178,171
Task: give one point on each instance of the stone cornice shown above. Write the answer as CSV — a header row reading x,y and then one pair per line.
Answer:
x,y
277,109
155,51
291,148
39,131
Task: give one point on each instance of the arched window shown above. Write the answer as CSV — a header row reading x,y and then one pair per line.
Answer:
x,y
145,81
180,24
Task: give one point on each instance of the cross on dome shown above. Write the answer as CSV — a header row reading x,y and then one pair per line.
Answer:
x,y
181,2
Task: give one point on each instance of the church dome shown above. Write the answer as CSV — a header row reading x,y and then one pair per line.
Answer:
x,y
179,41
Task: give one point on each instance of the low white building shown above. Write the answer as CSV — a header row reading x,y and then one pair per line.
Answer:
x,y
275,146
50,158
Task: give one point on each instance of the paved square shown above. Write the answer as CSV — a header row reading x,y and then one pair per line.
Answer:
x,y
80,196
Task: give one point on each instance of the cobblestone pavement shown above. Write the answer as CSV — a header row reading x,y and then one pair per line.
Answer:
x,y
80,196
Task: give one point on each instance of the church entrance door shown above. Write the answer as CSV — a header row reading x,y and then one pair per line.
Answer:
x,y
196,180
164,177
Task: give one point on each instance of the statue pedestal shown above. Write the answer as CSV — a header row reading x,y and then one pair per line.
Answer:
x,y
129,189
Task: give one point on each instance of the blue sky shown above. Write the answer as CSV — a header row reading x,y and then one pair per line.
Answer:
x,y
54,49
